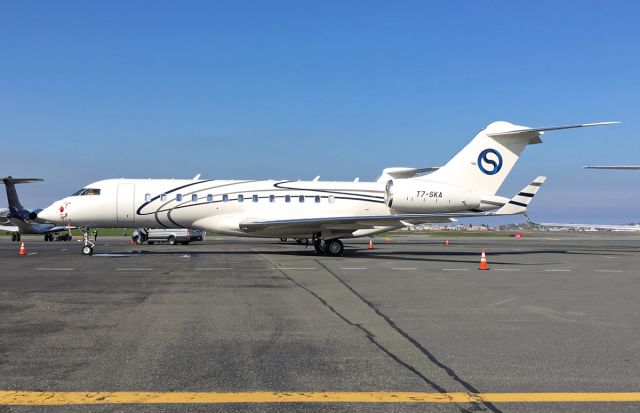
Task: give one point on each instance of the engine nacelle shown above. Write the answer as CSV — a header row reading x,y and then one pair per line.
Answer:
x,y
413,196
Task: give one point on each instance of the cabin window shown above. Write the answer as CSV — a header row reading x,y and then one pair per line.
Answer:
x,y
163,197
272,198
225,198
332,199
194,198
301,198
255,198
240,198
317,199
287,198
179,197
209,198
147,197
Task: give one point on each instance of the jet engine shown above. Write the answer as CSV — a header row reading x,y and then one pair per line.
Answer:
x,y
423,197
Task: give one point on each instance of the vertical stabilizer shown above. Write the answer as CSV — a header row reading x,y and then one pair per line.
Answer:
x,y
486,161
12,196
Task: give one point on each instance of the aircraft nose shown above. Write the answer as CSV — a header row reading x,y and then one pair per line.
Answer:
x,y
51,213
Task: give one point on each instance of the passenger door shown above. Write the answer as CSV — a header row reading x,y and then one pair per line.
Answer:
x,y
125,202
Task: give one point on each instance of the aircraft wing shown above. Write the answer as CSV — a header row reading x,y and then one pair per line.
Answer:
x,y
354,222
610,227
9,228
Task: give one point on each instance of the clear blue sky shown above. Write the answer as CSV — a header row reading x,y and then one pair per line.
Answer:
x,y
92,90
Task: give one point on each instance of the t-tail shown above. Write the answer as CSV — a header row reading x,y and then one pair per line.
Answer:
x,y
487,160
15,207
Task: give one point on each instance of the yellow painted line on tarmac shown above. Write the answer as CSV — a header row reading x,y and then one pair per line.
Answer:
x,y
34,398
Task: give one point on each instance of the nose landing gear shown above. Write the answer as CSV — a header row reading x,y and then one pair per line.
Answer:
x,y
87,249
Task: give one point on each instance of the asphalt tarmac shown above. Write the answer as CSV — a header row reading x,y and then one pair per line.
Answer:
x,y
556,313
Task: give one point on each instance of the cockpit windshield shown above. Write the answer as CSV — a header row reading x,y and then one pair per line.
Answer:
x,y
87,191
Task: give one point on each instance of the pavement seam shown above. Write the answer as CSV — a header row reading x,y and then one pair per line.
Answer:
x,y
371,338
450,372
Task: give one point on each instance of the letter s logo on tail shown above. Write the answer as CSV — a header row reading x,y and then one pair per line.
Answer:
x,y
490,165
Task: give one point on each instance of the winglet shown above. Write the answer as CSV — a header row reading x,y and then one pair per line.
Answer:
x,y
519,203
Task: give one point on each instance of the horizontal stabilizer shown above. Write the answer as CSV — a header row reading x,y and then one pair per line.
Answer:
x,y
622,167
542,130
13,180
519,203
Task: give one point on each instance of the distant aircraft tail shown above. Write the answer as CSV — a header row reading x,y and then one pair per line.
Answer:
x,y
486,161
15,207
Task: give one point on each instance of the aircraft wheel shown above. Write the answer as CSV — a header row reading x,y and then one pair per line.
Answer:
x,y
18,237
87,250
172,241
334,247
13,236
138,240
151,242
320,248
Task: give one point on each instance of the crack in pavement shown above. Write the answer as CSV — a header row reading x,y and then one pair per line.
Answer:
x,y
343,301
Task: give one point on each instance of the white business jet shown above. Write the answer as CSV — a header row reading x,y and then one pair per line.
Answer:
x,y
325,212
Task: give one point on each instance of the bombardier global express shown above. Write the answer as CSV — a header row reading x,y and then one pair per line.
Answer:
x,y
324,212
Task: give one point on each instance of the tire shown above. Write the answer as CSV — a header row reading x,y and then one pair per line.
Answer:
x,y
151,242
139,241
87,250
334,247
171,240
184,242
18,237
13,236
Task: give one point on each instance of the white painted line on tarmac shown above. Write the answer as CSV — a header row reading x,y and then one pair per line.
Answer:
x,y
557,270
55,269
353,268
65,249
32,253
213,269
294,268
615,258
455,269
608,270
134,269
404,269
507,269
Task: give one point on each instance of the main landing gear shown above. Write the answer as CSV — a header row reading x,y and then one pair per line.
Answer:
x,y
15,236
87,249
331,247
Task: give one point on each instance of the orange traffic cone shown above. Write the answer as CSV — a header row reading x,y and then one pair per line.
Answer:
x,y
22,250
370,244
483,262
446,243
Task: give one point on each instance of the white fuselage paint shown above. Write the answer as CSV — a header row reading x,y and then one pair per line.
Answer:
x,y
222,205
